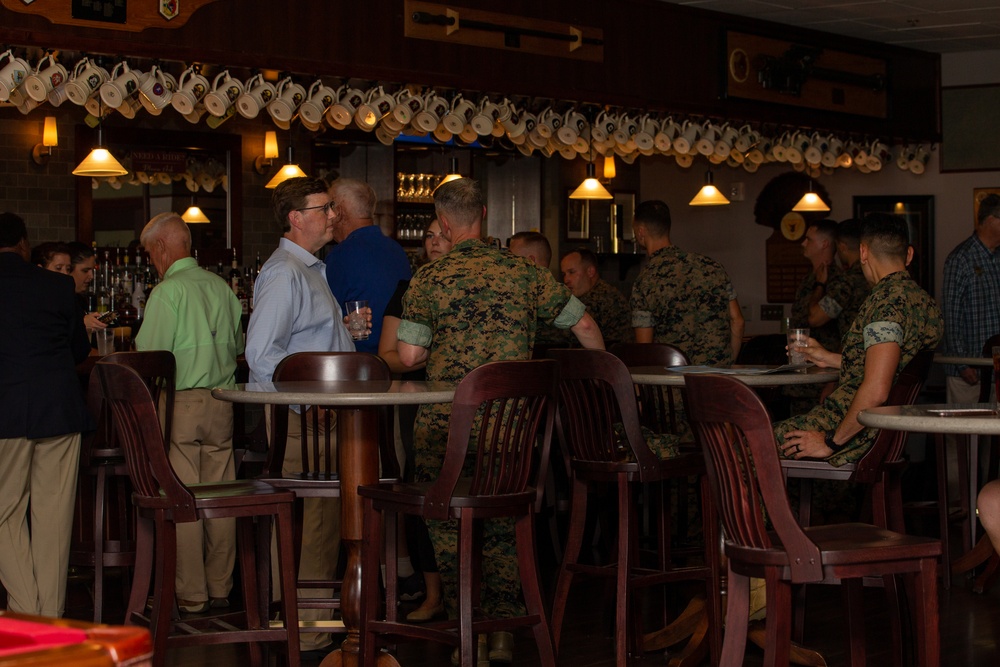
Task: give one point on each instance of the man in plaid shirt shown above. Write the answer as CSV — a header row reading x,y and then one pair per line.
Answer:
x,y
971,300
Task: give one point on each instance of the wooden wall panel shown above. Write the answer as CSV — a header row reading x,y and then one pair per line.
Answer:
x,y
657,56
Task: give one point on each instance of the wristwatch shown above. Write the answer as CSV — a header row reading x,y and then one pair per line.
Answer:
x,y
830,443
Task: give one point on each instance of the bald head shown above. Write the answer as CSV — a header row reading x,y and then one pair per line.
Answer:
x,y
355,206
167,239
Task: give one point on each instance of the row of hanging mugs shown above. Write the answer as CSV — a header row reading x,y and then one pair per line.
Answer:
x,y
548,131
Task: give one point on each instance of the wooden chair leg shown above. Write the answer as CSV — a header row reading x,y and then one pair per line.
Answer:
x,y
531,588
145,553
246,554
779,621
852,592
373,534
574,543
897,614
466,542
944,507
926,615
799,605
734,645
164,581
289,597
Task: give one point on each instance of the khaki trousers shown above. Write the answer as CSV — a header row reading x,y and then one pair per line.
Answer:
x,y
201,450
320,535
37,476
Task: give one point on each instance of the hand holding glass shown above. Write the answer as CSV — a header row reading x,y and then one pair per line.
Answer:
x,y
797,338
358,318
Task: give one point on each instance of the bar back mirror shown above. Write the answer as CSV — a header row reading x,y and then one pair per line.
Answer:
x,y
168,171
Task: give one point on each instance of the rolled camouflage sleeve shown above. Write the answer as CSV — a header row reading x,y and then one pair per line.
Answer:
x,y
418,315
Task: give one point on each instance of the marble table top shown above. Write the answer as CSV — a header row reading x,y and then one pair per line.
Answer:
x,y
971,418
357,393
659,375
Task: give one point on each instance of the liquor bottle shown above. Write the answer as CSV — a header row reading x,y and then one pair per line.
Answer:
x,y
218,269
139,297
236,276
257,267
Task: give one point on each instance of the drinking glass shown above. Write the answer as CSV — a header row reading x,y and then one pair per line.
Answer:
x,y
357,322
796,339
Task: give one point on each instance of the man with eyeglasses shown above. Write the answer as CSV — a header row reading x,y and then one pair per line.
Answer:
x,y
295,311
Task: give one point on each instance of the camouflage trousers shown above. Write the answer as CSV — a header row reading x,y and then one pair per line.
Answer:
x,y
501,588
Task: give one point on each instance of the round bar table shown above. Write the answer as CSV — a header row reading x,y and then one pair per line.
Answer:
x,y
357,434
970,419
693,621
962,361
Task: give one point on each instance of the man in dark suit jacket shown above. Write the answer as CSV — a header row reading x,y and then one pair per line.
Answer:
x,y
42,413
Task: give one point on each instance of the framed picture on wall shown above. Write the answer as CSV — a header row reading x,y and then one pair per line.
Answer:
x,y
918,212
578,219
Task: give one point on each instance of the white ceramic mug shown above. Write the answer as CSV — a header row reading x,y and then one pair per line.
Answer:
x,y
191,89
289,96
48,75
86,80
257,94
746,137
377,105
709,134
604,126
407,106
129,107
460,114
644,136
686,138
878,154
485,117
664,138
58,95
512,119
434,109
759,151
225,91
124,83
156,90
573,122
625,129
726,141
918,164
320,98
343,109
834,147
13,74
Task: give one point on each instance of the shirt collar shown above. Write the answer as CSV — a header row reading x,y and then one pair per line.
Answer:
x,y
180,265
298,252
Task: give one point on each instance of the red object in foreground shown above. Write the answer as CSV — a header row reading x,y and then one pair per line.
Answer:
x,y
39,641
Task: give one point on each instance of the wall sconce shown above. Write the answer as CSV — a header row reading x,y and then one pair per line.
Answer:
x,y
50,137
709,195
811,202
609,167
290,170
263,162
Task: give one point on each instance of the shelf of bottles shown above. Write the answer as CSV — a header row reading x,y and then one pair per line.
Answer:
x,y
124,277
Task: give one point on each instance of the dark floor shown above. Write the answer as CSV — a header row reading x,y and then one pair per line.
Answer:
x,y
970,631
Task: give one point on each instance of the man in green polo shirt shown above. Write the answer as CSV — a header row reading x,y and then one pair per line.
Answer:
x,y
195,315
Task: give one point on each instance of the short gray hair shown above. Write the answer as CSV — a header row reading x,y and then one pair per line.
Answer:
x,y
164,226
359,195
461,200
989,207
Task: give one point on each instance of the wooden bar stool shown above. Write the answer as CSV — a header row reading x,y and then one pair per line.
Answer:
x,y
104,525
502,407
162,501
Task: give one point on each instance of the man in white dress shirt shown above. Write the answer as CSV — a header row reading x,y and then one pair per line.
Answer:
x,y
295,311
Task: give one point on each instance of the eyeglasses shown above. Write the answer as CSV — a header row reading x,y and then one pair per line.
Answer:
x,y
327,207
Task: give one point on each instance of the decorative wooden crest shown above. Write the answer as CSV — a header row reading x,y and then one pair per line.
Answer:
x,y
458,25
128,15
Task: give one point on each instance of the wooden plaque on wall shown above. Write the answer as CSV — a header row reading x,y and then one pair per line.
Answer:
x,y
786,268
828,80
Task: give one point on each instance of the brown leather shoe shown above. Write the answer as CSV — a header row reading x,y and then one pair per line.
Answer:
x,y
482,653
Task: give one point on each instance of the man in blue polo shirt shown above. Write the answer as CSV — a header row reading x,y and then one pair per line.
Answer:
x,y
365,264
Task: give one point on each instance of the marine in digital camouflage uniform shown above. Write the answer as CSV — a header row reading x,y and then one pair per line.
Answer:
x,y
828,334
844,297
684,298
898,311
604,302
474,305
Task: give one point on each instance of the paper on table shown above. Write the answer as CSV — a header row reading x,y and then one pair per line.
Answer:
x,y
742,370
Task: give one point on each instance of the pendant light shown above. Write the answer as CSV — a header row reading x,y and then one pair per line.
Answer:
x,y
100,162
811,202
709,195
591,188
194,215
290,170
453,174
